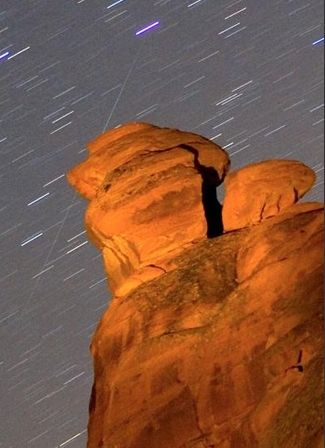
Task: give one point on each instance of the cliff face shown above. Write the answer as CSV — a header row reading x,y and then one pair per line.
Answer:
x,y
214,336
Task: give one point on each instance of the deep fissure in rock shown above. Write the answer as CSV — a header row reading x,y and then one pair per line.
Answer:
x,y
211,205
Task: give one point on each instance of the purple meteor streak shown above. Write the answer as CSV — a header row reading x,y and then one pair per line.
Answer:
x,y
4,55
319,41
147,28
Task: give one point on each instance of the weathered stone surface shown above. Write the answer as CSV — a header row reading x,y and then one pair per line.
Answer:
x,y
207,343
119,146
264,246
202,358
152,192
261,190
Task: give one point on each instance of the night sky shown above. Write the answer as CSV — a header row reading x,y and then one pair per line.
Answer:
x,y
247,74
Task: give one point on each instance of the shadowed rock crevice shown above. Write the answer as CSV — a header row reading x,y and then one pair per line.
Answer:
x,y
211,205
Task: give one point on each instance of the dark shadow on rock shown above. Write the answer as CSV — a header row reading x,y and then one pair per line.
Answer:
x,y
92,401
211,205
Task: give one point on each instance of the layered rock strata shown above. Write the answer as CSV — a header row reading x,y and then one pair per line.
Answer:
x,y
214,335
152,194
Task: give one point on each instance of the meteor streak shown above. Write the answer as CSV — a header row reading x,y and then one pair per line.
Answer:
x,y
147,28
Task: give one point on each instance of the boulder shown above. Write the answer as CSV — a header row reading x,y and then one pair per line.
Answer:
x,y
261,190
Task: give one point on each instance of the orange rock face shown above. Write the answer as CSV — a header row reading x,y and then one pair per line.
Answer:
x,y
152,192
261,190
223,348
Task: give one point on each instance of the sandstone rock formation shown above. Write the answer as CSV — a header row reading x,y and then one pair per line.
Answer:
x,y
211,339
152,194
261,190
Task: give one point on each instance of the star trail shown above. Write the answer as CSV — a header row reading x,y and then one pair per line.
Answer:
x,y
4,55
147,28
245,73
319,41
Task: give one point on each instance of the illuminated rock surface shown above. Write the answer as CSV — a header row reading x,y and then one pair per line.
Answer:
x,y
152,194
261,190
219,344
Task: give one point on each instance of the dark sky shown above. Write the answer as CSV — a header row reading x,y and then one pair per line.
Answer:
x,y
246,73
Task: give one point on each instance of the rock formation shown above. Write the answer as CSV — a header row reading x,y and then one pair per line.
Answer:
x,y
214,335
152,194
261,190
